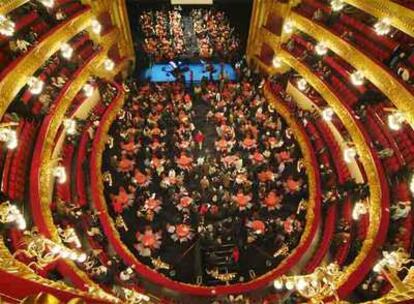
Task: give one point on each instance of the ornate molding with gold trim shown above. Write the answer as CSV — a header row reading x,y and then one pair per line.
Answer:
x,y
46,180
6,6
400,17
17,268
398,94
365,155
15,81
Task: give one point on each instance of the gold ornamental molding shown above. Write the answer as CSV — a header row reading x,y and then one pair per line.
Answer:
x,y
119,15
400,17
365,155
46,180
398,94
17,79
268,37
14,267
7,6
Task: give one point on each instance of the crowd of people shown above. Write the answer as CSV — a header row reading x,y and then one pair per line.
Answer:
x,y
167,38
215,36
163,32
194,173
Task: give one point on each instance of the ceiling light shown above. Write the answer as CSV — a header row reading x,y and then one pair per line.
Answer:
x,y
109,64
82,257
35,85
88,90
60,173
290,285
382,27
321,49
277,63
21,223
395,121
327,114
379,266
278,284
359,209
70,126
7,27
357,78
66,51
288,27
302,84
349,154
47,3
9,137
96,26
337,5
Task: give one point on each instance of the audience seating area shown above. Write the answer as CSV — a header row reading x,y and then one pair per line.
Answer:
x,y
203,189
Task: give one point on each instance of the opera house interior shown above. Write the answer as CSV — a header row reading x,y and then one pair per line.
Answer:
x,y
206,151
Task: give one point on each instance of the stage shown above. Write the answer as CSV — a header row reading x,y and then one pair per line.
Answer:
x,y
162,72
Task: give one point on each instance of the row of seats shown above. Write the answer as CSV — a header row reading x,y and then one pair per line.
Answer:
x,y
17,161
382,139
393,51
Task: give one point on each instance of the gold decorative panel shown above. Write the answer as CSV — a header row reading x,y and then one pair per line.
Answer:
x,y
6,6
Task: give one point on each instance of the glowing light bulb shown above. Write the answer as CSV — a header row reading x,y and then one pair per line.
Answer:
x,y
378,267
70,126
395,121
382,27
337,5
47,3
302,84
82,258
321,49
7,27
412,184
357,78
66,50
359,209
301,284
278,284
349,154
327,114
9,137
35,85
288,27
60,173
88,90
277,63
289,285
109,64
96,26
21,223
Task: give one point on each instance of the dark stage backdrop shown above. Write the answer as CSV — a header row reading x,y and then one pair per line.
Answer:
x,y
238,11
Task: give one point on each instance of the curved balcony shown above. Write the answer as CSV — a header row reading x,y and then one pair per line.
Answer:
x,y
378,187
374,71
